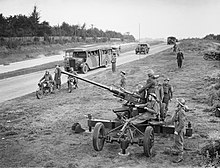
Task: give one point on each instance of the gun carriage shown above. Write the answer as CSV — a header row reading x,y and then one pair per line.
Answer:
x,y
122,130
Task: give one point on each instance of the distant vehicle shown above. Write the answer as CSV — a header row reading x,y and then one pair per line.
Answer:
x,y
171,40
85,59
142,48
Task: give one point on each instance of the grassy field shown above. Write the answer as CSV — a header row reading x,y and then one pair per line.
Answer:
x,y
37,133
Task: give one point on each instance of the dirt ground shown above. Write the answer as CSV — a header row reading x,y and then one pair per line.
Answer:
x,y
37,133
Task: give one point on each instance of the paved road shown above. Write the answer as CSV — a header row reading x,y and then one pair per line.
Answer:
x,y
39,61
14,87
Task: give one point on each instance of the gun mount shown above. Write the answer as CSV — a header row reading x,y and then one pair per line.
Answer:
x,y
131,97
122,130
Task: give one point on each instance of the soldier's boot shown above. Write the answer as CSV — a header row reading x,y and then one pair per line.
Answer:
x,y
178,159
171,151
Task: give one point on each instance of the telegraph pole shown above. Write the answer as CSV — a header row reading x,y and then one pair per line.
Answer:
x,y
139,31
139,37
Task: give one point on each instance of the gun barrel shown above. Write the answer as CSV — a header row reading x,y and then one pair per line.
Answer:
x,y
86,80
111,89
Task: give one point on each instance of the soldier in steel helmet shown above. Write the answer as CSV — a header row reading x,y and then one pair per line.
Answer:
x,y
123,79
57,77
179,58
150,109
150,85
168,93
178,119
48,79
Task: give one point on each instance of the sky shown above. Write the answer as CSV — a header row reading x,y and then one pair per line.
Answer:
x,y
141,18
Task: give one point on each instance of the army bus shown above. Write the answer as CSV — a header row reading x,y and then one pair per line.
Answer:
x,y
87,58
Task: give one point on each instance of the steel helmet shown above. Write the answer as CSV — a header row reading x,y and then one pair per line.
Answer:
x,y
77,128
181,101
154,95
150,72
167,79
123,72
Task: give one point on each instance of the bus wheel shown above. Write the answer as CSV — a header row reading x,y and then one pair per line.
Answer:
x,y
85,69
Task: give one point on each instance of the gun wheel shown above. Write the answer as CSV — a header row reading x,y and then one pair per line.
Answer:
x,y
148,141
98,136
39,94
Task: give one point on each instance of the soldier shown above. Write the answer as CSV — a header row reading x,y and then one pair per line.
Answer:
x,y
150,109
174,47
57,77
179,58
149,87
143,94
113,61
168,93
160,95
47,78
123,79
69,78
178,119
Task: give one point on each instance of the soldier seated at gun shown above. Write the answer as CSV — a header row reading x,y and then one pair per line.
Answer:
x,y
153,86
150,109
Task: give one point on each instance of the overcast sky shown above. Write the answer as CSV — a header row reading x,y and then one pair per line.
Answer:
x,y
157,18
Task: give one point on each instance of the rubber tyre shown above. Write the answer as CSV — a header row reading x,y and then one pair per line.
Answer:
x,y
39,94
148,140
85,69
98,136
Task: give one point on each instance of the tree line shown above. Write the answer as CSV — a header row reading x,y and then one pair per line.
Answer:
x,y
30,26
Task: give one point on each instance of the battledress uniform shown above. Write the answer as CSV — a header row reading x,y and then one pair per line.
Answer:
x,y
179,58
150,113
57,77
123,82
149,87
168,94
48,78
178,119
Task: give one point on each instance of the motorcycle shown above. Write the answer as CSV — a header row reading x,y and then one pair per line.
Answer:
x,y
72,84
44,88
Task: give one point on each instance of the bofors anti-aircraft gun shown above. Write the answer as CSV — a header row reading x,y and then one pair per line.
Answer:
x,y
122,130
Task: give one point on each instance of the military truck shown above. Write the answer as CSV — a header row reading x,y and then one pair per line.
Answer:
x,y
171,40
142,48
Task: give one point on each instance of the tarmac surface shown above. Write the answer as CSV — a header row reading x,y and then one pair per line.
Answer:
x,y
24,84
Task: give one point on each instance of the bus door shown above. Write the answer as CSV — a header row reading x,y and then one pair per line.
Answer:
x,y
100,57
94,58
103,57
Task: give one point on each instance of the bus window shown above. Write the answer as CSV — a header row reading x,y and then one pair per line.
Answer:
x,y
80,54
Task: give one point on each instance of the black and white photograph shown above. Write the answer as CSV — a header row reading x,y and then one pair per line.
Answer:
x,y
109,83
